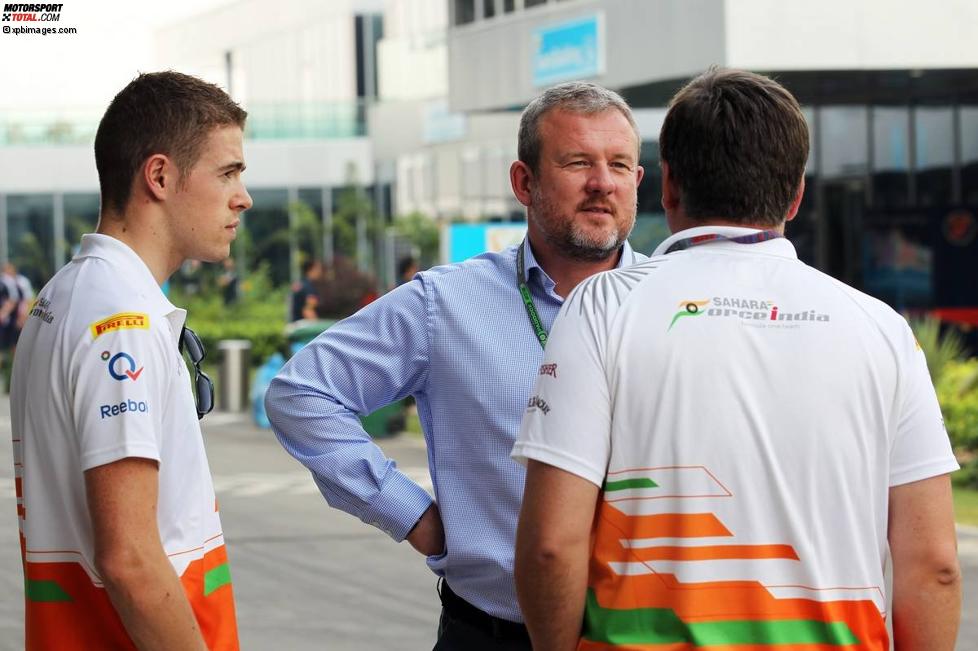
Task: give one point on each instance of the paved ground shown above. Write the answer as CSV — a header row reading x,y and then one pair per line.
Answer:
x,y
307,577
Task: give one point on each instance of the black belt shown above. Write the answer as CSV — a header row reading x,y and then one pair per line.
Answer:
x,y
462,610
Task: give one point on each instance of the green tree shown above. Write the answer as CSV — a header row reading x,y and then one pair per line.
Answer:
x,y
423,232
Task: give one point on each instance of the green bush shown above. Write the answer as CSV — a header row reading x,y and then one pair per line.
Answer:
x,y
259,316
958,394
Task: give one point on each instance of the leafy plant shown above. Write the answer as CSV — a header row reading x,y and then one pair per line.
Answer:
x,y
423,232
958,395
258,316
939,349
344,289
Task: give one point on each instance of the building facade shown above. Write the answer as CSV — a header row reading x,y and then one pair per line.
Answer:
x,y
889,88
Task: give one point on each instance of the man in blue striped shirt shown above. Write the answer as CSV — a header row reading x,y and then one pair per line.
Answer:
x,y
466,340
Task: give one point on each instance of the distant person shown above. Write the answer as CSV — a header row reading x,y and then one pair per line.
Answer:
x,y
407,267
466,340
8,311
227,281
305,293
121,539
724,443
24,291
10,302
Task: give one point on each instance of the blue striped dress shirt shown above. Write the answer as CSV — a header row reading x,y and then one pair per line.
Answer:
x,y
458,339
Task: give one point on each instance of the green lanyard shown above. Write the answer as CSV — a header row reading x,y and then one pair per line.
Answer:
x,y
531,309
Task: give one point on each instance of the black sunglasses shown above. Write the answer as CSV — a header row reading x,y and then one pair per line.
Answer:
x,y
203,386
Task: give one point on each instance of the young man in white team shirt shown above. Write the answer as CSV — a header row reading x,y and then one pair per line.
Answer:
x,y
120,534
724,440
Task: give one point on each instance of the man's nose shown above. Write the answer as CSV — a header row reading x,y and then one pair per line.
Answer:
x,y
244,202
600,180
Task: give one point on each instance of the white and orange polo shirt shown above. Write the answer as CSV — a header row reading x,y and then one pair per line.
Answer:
x,y
745,416
98,377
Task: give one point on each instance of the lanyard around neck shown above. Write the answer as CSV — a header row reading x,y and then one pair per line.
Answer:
x,y
531,309
696,240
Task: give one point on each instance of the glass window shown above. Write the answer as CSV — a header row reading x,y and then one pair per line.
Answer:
x,y
843,141
464,11
891,156
934,155
898,260
310,224
801,230
809,113
509,6
266,233
650,189
969,154
488,8
650,223
533,3
81,216
30,235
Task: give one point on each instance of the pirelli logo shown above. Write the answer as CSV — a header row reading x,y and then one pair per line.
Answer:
x,y
121,321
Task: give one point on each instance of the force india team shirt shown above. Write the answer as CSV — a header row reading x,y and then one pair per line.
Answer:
x,y
745,416
98,377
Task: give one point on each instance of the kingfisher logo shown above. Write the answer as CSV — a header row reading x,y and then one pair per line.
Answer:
x,y
758,312
122,366
31,13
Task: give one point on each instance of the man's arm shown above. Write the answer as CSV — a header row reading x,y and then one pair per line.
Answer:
x,y
129,557
926,575
369,360
553,544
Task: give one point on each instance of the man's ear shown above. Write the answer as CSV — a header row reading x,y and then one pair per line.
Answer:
x,y
159,176
670,189
796,202
521,178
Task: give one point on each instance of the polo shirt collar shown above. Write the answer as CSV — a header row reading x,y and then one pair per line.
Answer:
x,y
780,247
626,259
97,245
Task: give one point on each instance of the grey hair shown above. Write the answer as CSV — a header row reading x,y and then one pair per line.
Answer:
x,y
579,97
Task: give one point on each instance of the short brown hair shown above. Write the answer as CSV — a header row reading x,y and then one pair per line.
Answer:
x,y
736,145
157,113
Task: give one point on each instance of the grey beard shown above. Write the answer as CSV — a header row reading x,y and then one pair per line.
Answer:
x,y
579,247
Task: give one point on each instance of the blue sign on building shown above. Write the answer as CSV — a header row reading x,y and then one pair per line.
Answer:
x,y
569,50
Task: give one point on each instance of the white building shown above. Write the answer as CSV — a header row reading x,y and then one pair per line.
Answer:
x,y
890,88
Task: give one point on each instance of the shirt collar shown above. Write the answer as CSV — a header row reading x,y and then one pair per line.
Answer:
x,y
779,247
626,259
106,247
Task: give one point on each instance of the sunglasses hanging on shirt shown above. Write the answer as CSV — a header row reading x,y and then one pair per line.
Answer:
x,y
191,344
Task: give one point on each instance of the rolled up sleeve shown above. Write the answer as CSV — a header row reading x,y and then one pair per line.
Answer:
x,y
369,360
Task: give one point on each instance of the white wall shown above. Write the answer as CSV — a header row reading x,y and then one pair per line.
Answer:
x,y
490,61
65,168
412,58
294,51
848,34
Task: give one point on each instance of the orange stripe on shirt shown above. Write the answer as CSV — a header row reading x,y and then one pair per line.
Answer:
x,y
712,552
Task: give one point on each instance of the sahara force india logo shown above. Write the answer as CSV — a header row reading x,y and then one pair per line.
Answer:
x,y
743,309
